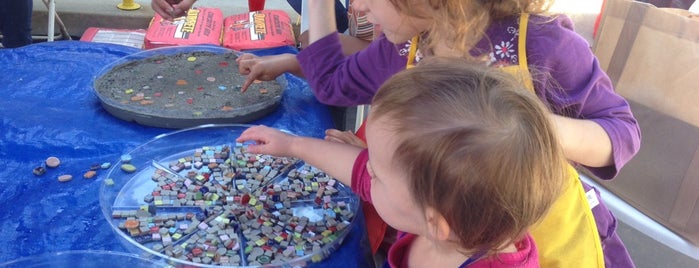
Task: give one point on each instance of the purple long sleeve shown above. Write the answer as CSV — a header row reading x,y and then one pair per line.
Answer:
x,y
565,71
562,58
348,81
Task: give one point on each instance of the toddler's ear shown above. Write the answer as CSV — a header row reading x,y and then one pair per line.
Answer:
x,y
437,226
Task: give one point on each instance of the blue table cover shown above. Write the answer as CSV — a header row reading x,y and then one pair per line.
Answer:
x,y
48,108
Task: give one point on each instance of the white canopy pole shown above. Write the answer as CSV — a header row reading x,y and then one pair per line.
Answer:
x,y
52,18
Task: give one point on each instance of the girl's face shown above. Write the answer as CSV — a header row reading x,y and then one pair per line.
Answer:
x,y
389,189
397,27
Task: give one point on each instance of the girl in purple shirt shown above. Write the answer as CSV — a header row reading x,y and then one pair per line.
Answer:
x,y
595,125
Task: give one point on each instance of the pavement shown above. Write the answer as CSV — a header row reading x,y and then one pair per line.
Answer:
x,y
649,244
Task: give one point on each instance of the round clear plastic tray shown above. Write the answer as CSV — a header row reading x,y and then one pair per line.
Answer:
x,y
284,216
83,259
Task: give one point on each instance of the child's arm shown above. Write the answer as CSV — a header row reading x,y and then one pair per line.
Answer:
x,y
336,159
584,141
600,131
269,67
266,68
335,78
322,23
348,137
321,20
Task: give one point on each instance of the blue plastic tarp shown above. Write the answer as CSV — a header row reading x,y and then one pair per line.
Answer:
x,y
48,108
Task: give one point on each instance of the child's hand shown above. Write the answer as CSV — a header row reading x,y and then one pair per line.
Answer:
x,y
264,68
268,141
346,137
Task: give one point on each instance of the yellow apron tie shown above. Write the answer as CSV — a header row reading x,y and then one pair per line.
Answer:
x,y
567,236
412,52
521,71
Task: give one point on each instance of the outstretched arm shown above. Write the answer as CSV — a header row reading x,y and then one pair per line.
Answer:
x,y
336,159
322,20
347,137
266,68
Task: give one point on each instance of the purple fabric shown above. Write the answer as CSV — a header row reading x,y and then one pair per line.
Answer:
x,y
557,56
353,80
566,75
615,253
560,56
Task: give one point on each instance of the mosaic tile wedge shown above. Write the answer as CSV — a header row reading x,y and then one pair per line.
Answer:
x,y
210,203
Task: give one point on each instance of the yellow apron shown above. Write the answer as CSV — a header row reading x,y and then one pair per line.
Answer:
x,y
567,236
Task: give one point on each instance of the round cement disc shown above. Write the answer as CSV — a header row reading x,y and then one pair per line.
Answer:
x,y
180,87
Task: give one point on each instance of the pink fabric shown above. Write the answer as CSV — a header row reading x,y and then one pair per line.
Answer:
x,y
526,255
